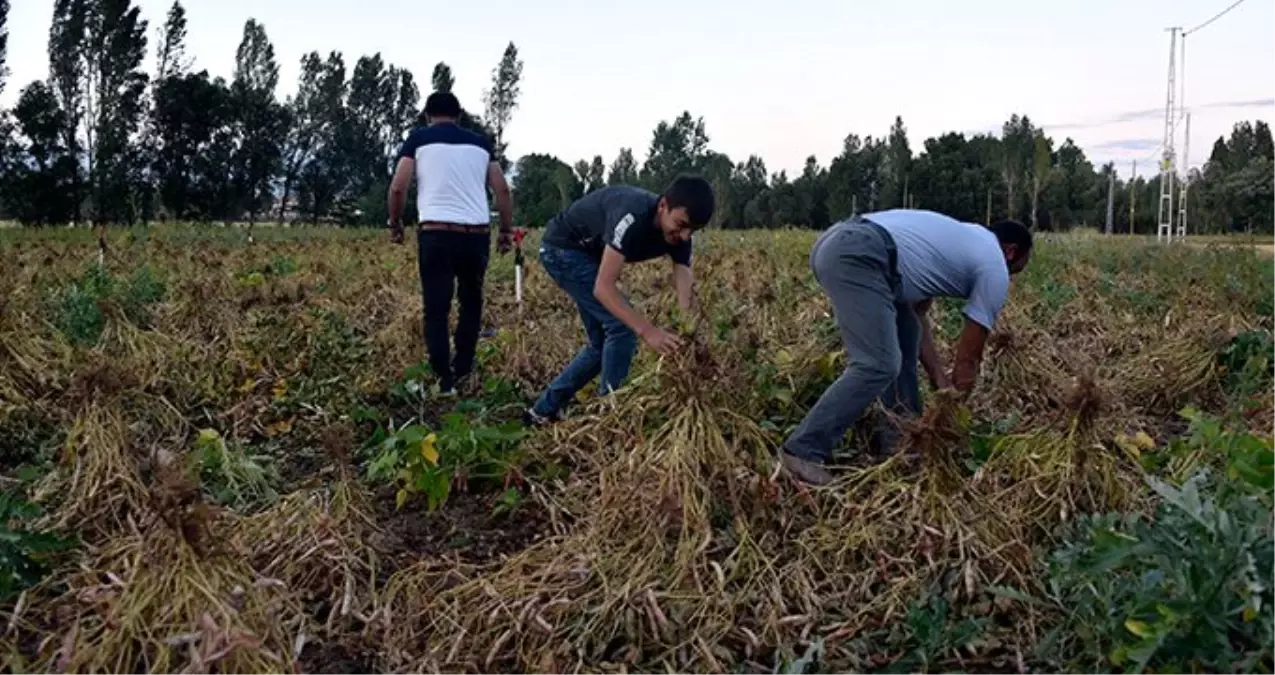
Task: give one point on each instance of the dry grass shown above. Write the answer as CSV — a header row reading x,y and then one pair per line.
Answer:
x,y
671,545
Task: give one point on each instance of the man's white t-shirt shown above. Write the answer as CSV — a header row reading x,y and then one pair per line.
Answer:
x,y
451,173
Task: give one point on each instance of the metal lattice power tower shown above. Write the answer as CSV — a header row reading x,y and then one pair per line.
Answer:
x,y
1186,142
1167,165
1186,177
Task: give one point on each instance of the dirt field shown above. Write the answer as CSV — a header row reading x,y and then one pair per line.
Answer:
x,y
239,465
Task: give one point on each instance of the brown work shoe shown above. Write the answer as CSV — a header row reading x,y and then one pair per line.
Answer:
x,y
804,470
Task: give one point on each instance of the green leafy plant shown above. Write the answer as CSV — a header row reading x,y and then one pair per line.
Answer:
x,y
500,392
144,288
429,463
232,476
78,311
929,632
1054,295
78,314
1243,456
508,502
282,266
983,439
24,554
1186,590
1249,362
410,387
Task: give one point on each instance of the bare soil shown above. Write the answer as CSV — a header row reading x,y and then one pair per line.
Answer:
x,y
464,529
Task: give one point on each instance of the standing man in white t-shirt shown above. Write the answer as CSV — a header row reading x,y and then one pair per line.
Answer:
x,y
881,271
453,168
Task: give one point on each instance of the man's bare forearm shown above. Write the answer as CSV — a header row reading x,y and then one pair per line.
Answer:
x,y
682,282
398,198
504,205
964,373
969,353
685,298
930,359
929,354
610,298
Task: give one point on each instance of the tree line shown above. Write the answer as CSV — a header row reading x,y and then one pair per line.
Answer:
x,y
1023,174
101,140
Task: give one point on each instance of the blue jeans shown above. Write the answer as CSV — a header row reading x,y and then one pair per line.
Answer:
x,y
611,343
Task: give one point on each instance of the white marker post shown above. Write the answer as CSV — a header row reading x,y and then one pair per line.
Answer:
x,y
518,260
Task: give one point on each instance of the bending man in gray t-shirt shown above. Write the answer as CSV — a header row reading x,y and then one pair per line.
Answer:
x,y
881,272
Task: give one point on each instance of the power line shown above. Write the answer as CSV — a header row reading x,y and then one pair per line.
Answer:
x,y
1217,16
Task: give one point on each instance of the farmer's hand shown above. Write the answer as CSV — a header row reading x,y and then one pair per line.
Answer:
x,y
396,233
504,242
661,341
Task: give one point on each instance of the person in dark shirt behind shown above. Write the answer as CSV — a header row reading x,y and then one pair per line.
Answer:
x,y
584,250
453,168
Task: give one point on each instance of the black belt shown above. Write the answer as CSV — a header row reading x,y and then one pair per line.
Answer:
x,y
891,251
434,226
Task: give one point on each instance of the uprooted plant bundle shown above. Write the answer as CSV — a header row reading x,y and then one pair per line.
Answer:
x,y
227,444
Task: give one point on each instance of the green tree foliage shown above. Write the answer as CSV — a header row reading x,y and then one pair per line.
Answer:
x,y
189,146
502,98
624,169
324,176
96,49
113,50
67,73
676,148
1235,186
8,149
403,111
97,138
259,122
894,190
4,43
595,177
35,188
191,113
170,62
544,186
442,79
306,122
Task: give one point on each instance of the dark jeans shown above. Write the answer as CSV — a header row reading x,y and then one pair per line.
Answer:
x,y
452,262
852,262
609,351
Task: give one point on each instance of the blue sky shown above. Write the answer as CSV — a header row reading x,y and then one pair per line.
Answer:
x,y
780,79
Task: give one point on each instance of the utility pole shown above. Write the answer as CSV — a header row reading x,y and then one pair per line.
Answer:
x,y
988,220
1111,197
1164,227
1133,193
1186,173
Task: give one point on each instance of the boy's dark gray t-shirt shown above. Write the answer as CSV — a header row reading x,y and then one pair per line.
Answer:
x,y
619,216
